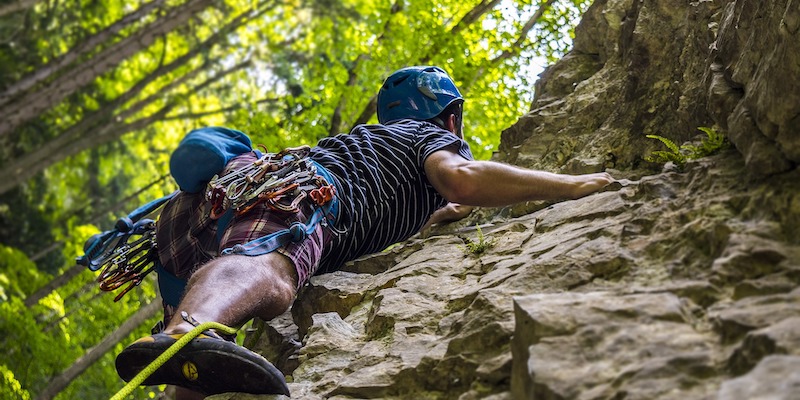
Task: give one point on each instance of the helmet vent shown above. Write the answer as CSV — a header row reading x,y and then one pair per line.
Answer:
x,y
394,104
427,92
399,81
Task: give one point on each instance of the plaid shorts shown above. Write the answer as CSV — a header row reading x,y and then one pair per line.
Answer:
x,y
187,236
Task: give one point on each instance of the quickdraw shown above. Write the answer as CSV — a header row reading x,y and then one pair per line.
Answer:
x,y
129,263
280,180
125,254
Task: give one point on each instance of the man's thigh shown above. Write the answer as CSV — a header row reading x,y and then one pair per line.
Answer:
x,y
260,221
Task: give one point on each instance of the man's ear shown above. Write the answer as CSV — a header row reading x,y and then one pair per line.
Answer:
x,y
450,124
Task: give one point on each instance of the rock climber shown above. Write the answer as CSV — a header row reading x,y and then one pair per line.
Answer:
x,y
390,179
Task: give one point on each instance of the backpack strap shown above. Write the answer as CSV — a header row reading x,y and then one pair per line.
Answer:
x,y
170,286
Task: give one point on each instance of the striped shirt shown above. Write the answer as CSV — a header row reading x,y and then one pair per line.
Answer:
x,y
384,194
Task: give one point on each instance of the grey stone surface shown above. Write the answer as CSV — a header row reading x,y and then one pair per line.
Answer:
x,y
672,284
775,378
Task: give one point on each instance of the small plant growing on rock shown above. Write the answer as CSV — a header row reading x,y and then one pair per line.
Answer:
x,y
674,154
711,144
477,248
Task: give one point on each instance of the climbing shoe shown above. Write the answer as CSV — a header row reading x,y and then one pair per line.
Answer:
x,y
206,364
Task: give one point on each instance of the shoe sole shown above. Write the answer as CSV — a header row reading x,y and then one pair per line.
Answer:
x,y
209,366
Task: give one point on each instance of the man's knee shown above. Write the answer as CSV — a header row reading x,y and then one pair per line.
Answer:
x,y
280,278
281,268
235,266
273,273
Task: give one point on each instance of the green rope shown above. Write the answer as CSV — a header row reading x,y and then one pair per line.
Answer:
x,y
167,354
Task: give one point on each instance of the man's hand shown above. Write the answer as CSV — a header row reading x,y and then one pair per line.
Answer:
x,y
449,213
590,183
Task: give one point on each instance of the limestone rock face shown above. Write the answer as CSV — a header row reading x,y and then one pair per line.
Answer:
x,y
670,284
666,67
754,89
637,68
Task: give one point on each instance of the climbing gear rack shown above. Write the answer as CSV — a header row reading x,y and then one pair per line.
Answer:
x,y
280,180
127,253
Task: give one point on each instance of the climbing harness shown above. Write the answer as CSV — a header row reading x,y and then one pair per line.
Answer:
x,y
171,351
282,181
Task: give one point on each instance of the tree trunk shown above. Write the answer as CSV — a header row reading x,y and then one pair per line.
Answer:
x,y
58,383
34,103
113,132
82,49
23,168
72,310
336,119
64,145
368,112
473,15
17,6
59,281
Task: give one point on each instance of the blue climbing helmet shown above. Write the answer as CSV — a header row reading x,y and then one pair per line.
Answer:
x,y
418,93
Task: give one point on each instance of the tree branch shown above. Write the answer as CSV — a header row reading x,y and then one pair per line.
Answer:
x,y
201,114
23,168
517,47
34,103
336,119
114,131
368,112
73,54
372,105
473,15
9,8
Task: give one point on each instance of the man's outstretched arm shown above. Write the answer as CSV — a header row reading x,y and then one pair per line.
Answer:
x,y
492,184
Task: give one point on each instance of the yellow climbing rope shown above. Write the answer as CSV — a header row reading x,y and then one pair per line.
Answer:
x,y
167,354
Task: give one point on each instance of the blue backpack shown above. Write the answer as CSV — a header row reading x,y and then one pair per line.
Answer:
x,y
204,153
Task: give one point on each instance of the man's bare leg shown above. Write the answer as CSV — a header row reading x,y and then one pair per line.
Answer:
x,y
233,289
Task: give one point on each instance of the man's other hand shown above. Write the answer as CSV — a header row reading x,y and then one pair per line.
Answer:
x,y
590,183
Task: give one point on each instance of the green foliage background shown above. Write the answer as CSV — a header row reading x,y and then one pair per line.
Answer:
x,y
286,72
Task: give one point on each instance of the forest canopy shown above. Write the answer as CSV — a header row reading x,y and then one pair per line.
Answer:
x,y
94,94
